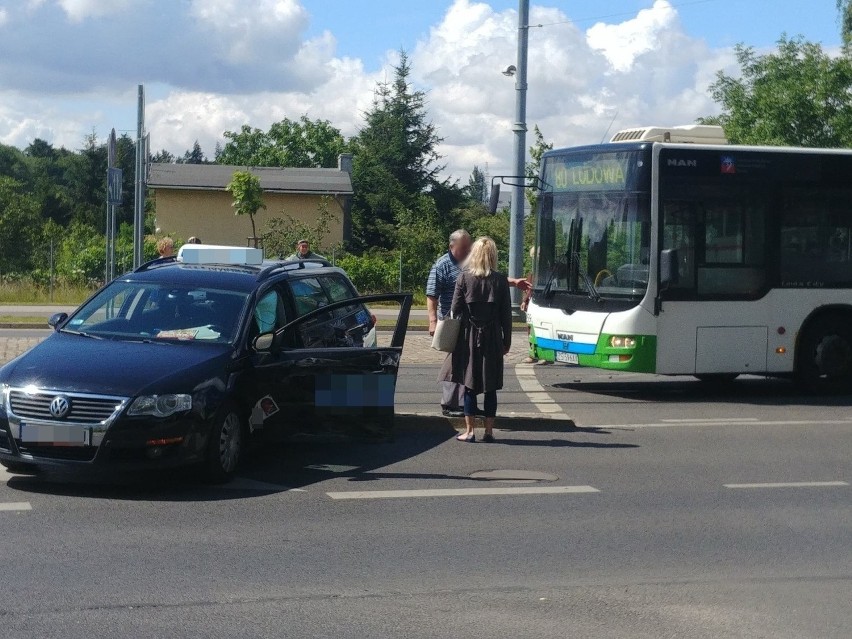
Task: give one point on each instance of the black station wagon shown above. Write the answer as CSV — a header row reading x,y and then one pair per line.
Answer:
x,y
184,360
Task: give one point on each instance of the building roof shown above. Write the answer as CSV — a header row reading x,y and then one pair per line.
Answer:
x,y
215,177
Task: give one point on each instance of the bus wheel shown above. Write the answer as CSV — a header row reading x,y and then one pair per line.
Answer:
x,y
824,362
717,378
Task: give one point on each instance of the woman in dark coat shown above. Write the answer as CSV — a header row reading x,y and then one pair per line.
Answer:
x,y
481,300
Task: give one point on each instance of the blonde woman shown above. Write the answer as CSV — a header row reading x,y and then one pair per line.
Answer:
x,y
481,300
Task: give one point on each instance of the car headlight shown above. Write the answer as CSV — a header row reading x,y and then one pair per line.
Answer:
x,y
160,405
619,341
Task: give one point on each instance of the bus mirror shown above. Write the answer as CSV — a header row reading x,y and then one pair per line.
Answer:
x,y
494,198
669,271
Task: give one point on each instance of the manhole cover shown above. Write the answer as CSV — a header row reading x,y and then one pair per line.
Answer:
x,y
515,476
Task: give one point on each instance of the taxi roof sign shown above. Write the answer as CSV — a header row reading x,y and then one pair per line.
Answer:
x,y
212,254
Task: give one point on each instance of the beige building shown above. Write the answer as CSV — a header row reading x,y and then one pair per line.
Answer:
x,y
191,200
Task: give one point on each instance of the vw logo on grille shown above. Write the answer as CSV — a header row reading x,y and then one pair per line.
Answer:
x,y
60,406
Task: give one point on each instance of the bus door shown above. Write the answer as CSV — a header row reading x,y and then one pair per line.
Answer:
x,y
712,319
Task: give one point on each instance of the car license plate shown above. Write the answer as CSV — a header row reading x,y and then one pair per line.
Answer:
x,y
567,358
55,434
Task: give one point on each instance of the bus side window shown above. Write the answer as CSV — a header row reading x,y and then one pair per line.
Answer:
x,y
816,239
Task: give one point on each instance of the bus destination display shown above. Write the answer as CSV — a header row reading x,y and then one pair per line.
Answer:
x,y
604,174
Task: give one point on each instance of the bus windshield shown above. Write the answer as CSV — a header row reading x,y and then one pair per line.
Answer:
x,y
594,226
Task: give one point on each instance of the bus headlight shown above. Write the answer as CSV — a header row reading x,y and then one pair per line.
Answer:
x,y
621,341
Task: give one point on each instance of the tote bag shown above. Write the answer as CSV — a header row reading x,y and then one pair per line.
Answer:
x,y
446,335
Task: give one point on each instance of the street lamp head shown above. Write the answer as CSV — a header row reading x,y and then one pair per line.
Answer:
x,y
510,70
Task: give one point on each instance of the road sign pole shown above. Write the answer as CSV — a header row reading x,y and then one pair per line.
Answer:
x,y
139,192
516,224
109,262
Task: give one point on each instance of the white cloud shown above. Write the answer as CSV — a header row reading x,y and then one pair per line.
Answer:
x,y
225,63
78,10
623,43
4,16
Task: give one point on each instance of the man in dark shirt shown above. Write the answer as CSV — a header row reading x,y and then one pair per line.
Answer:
x,y
304,252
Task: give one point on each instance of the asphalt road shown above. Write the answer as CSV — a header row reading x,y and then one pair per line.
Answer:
x,y
651,508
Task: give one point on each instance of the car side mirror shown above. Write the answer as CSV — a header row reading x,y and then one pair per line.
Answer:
x,y
264,342
56,320
669,268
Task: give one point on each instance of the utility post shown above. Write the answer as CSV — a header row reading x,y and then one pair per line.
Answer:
x,y
113,200
139,182
516,226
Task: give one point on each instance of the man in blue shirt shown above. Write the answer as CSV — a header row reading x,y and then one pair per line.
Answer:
x,y
439,296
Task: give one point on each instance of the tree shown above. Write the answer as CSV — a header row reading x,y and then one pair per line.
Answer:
x,y
283,232
248,197
537,150
163,157
797,95
20,225
301,143
195,156
476,187
396,159
844,7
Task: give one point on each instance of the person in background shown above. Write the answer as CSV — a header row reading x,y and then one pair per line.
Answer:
x,y
166,247
481,299
532,357
439,296
194,240
304,252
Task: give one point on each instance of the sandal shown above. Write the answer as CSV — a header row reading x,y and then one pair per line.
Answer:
x,y
466,438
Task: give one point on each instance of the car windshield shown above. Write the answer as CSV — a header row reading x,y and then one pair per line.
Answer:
x,y
161,312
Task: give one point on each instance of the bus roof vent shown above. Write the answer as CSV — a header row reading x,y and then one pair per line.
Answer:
x,y
690,133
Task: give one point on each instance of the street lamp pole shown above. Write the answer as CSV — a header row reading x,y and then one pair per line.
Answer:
x,y
516,227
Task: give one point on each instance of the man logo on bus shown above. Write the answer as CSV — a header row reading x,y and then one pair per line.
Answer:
x,y
728,164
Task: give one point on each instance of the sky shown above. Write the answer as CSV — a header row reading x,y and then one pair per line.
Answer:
x,y
70,67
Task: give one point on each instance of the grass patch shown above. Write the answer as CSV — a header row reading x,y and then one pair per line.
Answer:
x,y
20,319
28,293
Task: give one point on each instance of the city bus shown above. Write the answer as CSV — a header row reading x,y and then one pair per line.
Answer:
x,y
683,257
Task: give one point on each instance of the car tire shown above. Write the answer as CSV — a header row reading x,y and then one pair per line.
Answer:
x,y
824,356
225,448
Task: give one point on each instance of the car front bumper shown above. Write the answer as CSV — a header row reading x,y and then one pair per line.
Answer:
x,y
130,444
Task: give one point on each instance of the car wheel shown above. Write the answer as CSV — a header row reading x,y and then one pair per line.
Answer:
x,y
225,448
824,357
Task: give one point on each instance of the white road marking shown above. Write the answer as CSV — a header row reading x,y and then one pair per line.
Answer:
x,y
706,420
537,394
792,484
332,468
718,422
5,475
15,506
462,492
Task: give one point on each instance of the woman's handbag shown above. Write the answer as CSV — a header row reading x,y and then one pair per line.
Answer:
x,y
446,334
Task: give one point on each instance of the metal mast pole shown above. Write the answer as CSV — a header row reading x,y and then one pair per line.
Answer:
x,y
516,227
139,191
109,266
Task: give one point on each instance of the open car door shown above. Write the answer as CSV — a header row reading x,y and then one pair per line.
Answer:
x,y
334,387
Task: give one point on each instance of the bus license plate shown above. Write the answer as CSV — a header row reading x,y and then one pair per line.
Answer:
x,y
567,358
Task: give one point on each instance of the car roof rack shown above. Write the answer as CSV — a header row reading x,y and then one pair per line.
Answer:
x,y
157,262
291,265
